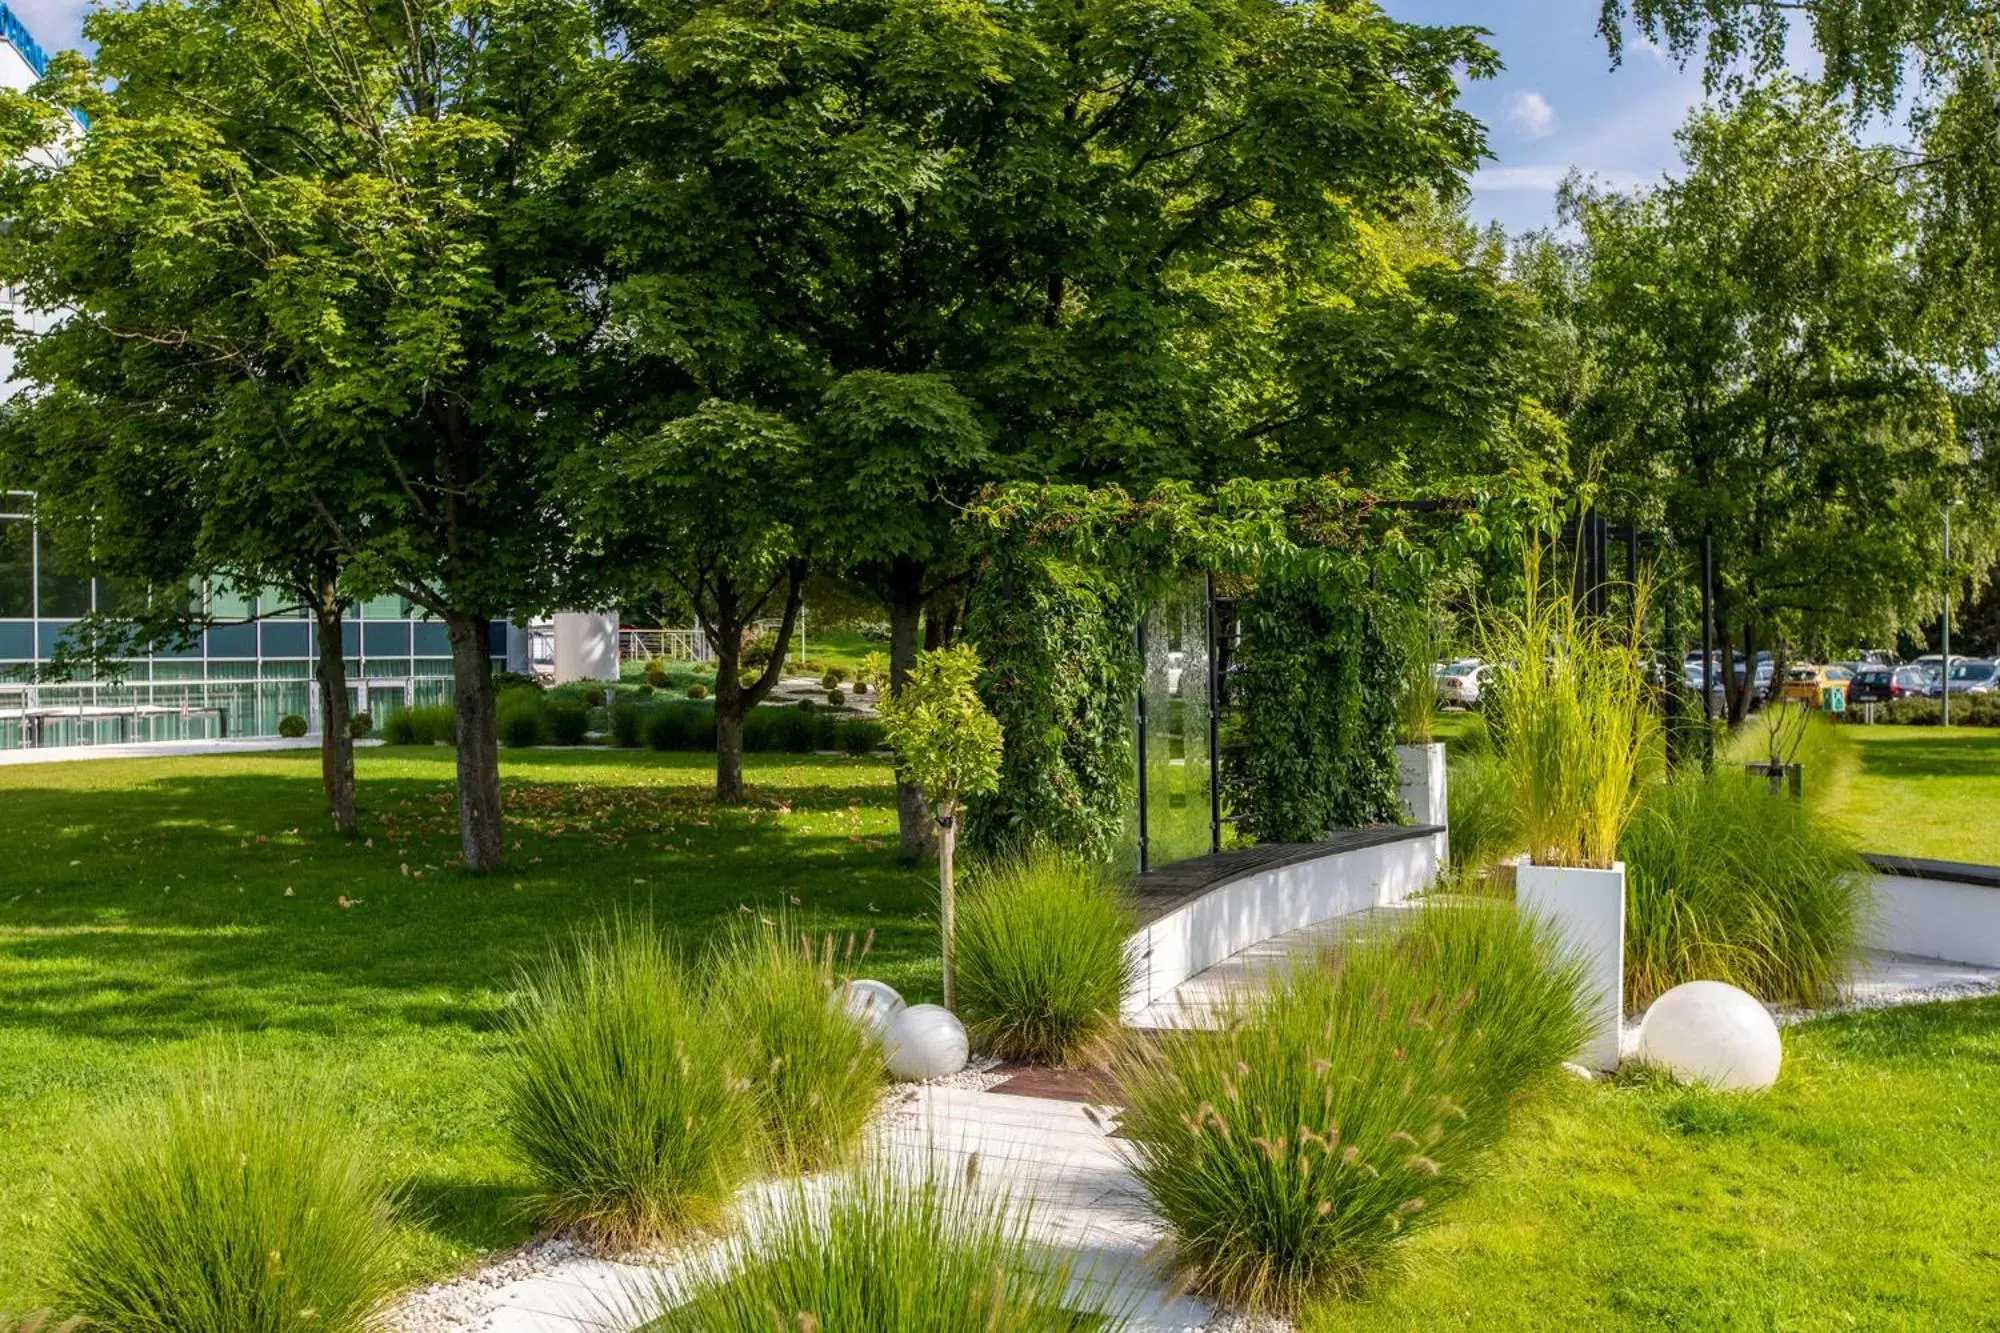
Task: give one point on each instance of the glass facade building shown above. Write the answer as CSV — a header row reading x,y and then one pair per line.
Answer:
x,y
237,679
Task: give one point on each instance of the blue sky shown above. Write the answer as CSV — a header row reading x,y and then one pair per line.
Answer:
x,y
1558,105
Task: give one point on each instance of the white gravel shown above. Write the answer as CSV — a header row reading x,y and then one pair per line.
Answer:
x,y
461,1302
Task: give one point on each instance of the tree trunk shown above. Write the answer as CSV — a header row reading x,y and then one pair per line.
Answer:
x,y
1746,694
729,712
336,744
478,742
947,838
734,699
906,610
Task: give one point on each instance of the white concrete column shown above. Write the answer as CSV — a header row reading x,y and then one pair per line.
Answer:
x,y
1421,781
586,646
1587,910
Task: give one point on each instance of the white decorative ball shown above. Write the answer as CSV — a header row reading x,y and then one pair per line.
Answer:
x,y
873,1004
1710,1032
925,1041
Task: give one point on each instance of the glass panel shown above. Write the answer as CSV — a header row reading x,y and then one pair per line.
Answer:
x,y
226,603
1177,712
17,569
63,593
390,639
385,608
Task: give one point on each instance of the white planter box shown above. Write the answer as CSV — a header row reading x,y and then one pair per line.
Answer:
x,y
1420,775
1587,908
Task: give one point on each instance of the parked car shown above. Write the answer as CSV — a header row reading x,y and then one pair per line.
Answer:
x,y
1809,684
1974,676
1884,684
1880,657
1463,682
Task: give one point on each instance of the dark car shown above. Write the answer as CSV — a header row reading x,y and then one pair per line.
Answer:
x,y
1881,685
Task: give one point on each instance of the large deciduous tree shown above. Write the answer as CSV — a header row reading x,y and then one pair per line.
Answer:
x,y
384,193
1760,370
956,242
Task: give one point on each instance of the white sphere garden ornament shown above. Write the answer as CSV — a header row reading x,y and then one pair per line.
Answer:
x,y
873,1004
1711,1032
925,1041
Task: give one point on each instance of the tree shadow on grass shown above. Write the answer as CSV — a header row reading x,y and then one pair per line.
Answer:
x,y
476,1214
1973,756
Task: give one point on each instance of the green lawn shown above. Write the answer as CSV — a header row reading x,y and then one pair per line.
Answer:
x,y
1925,791
1858,1194
148,906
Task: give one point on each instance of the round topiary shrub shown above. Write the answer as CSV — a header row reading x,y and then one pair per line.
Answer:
x,y
835,698
593,698
656,676
697,691
831,680
234,1204
360,725
291,726
807,705
647,690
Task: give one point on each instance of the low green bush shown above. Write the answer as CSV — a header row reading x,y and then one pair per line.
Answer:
x,y
697,690
885,1256
817,1073
432,724
1967,710
1292,1151
359,725
833,678
835,699
1041,954
291,726
1725,882
647,691
568,724
656,675
862,735
623,1100
593,698
628,725
232,1205
681,726
524,720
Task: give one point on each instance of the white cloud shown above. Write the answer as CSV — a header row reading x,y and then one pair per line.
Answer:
x,y
1545,179
1531,114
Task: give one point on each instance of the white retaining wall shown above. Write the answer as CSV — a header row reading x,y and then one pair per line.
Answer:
x,y
1264,903
1934,918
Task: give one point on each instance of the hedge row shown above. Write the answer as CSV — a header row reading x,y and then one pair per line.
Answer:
x,y
691,726
1967,710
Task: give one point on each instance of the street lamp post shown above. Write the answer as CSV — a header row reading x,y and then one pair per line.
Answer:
x,y
1944,714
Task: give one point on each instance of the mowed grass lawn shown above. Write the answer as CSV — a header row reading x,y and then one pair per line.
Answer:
x,y
1924,791
153,910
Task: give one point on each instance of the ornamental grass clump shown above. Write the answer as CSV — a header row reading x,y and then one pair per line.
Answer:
x,y
815,1072
885,1254
1571,712
1042,964
1725,882
626,1102
230,1205
1292,1151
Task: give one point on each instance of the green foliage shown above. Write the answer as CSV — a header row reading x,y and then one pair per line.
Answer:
x,y
291,726
1321,664
1967,710
656,675
1572,716
1485,822
816,1072
863,736
628,725
433,724
886,1255
524,719
835,699
1042,965
569,724
681,726
757,654
833,678
626,1103
1292,1152
593,697
946,741
697,690
1064,671
360,725
232,1204
1725,882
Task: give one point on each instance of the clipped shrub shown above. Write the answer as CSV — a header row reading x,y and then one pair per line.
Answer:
x,y
1725,882
860,687
232,1205
568,724
656,675
835,699
885,1255
628,725
360,725
432,724
291,726
833,678
807,705
862,736
1292,1151
1041,957
647,690
816,1073
623,1099
593,698
697,690
524,720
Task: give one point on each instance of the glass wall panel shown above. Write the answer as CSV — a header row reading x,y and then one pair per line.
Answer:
x,y
233,640
63,591
17,641
1177,712
227,604
286,638
17,567
386,639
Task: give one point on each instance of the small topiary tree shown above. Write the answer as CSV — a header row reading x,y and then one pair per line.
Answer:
x,y
291,726
947,745
360,725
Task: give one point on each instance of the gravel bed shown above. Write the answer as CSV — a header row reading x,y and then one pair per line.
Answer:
x,y
1894,999
461,1302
